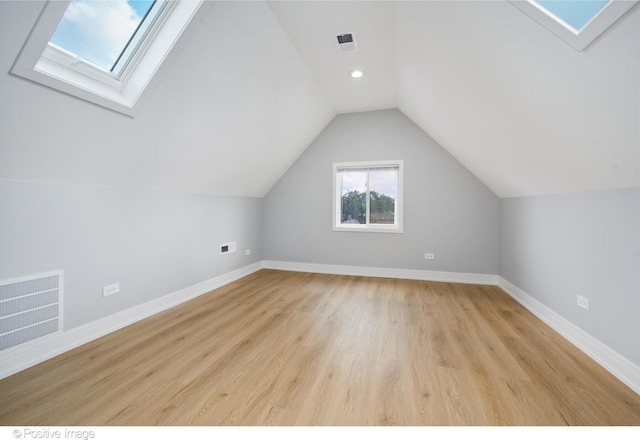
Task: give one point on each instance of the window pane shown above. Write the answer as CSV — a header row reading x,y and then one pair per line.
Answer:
x,y
99,31
383,183
576,13
354,192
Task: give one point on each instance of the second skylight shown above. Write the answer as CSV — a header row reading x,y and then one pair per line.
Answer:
x,y
575,14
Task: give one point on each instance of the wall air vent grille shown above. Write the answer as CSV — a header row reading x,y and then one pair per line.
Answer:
x,y
30,308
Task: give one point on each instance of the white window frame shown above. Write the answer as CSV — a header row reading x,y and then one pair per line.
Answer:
x,y
579,40
124,92
337,197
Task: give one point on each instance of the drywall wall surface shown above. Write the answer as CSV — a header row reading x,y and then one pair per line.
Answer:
x,y
559,246
447,210
153,243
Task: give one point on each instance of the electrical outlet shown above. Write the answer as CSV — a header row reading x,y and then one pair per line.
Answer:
x,y
247,252
583,302
110,289
429,256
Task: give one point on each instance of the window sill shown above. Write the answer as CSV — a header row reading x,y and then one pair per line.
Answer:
x,y
365,228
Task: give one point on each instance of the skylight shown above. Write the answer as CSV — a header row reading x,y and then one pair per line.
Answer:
x,y
101,32
574,13
577,22
109,52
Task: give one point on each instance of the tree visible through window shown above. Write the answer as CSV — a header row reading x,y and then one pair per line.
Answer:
x,y
368,196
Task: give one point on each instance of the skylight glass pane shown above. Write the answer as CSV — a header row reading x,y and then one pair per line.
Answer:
x,y
575,13
99,30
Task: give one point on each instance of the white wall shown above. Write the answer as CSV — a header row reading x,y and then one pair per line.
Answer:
x,y
153,243
447,210
559,246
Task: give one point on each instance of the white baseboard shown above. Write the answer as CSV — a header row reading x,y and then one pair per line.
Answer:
x,y
409,274
21,357
622,368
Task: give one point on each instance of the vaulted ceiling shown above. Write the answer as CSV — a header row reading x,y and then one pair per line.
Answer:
x,y
258,81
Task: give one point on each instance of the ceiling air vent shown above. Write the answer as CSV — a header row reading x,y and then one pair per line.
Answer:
x,y
347,42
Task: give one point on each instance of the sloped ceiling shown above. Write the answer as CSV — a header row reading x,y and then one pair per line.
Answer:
x,y
235,110
257,82
519,107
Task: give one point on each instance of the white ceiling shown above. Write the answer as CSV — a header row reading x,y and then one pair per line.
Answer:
x,y
257,82
313,27
519,107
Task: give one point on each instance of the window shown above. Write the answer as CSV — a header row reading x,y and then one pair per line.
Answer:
x,y
577,22
574,14
368,196
109,52
105,34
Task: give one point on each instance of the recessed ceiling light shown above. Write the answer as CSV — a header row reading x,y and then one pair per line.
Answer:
x,y
356,73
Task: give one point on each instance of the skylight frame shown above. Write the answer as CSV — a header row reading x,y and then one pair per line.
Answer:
x,y
126,62
48,65
582,38
147,28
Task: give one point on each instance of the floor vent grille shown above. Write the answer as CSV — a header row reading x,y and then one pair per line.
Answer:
x,y
30,308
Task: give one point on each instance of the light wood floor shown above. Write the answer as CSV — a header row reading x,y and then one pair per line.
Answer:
x,y
283,348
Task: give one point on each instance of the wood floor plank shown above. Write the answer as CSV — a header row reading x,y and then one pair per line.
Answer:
x,y
285,348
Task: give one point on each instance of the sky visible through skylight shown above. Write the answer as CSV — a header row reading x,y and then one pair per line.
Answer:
x,y
575,13
99,30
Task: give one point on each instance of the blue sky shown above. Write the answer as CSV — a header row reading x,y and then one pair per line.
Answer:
x,y
575,13
99,30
